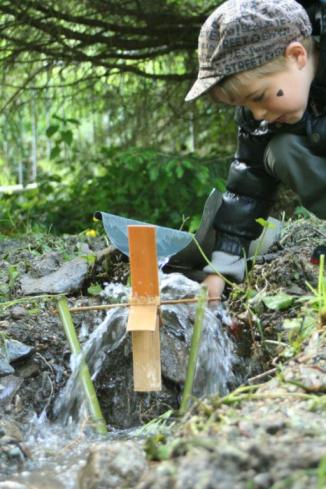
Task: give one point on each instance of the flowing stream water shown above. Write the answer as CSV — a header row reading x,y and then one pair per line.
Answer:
x,y
58,448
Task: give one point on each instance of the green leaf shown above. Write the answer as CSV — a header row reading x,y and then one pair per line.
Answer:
x,y
302,212
94,289
194,224
71,120
279,302
264,223
66,120
90,259
67,136
13,274
157,447
52,130
55,151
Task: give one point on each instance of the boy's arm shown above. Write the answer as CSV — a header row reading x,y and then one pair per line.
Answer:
x,y
249,195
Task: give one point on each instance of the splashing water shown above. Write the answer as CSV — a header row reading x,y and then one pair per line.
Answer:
x,y
216,355
105,339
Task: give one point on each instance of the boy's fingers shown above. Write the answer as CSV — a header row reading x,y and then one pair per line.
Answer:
x,y
215,285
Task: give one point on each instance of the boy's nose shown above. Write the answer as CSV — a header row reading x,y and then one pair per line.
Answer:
x,y
259,114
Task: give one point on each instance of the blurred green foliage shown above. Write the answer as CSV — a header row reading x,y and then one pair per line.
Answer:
x,y
145,184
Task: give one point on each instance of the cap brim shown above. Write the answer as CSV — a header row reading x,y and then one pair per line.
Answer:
x,y
200,87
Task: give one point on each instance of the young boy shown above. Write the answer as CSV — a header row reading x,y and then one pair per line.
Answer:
x,y
260,55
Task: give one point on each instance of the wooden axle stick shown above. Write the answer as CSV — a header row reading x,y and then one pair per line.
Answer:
x,y
102,307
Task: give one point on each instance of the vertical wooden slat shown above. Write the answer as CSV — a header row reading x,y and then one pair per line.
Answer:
x,y
143,316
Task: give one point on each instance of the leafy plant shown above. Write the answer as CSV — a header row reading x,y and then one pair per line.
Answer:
x,y
278,302
12,276
61,133
144,184
94,289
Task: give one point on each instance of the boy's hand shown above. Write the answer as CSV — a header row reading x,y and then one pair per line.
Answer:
x,y
215,285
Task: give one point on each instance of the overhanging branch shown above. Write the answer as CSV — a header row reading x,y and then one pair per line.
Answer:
x,y
112,34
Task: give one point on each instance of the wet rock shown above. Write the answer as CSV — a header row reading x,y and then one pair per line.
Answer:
x,y
5,367
11,351
12,485
114,465
15,350
9,385
33,482
10,430
12,451
68,279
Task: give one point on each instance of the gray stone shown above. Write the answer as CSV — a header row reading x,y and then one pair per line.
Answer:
x,y
46,264
9,245
9,385
11,351
263,480
68,279
84,248
10,430
5,367
15,350
18,312
113,465
12,485
161,476
206,471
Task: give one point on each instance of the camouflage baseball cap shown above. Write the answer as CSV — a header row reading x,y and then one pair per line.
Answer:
x,y
243,34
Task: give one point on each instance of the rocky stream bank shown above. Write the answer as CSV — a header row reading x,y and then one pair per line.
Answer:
x,y
263,429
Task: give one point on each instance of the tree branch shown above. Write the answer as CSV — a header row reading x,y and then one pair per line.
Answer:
x,y
113,34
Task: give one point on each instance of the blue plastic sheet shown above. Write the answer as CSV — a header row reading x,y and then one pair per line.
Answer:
x,y
169,241
178,248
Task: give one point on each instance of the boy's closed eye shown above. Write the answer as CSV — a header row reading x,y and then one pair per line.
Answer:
x,y
258,98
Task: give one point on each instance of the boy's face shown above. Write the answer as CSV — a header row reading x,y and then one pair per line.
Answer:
x,y
281,97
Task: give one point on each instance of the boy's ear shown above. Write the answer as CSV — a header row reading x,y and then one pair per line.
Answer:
x,y
297,52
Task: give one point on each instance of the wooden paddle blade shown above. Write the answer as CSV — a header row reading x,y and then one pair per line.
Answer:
x,y
147,360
